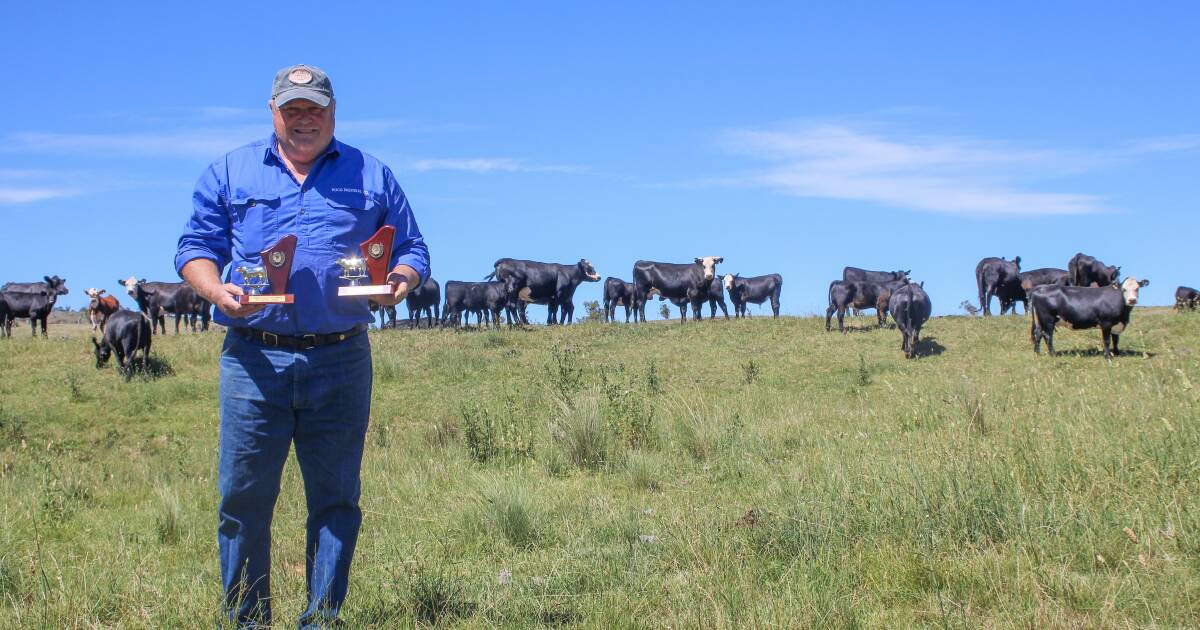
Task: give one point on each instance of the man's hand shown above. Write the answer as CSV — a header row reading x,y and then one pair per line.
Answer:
x,y
227,300
399,284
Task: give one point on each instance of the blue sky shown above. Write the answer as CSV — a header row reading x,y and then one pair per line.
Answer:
x,y
785,138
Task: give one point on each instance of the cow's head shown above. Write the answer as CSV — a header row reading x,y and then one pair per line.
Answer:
x,y
1129,289
589,272
57,286
1113,272
103,352
902,275
93,292
131,284
710,265
728,282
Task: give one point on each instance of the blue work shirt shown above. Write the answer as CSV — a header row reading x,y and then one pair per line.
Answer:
x,y
248,200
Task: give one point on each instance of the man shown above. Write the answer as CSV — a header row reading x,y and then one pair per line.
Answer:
x,y
294,372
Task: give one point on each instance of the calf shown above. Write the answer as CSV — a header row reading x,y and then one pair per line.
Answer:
x,y
692,282
100,307
485,299
998,277
1186,296
617,292
127,332
424,299
756,289
34,300
1083,307
860,295
551,283
1086,271
910,307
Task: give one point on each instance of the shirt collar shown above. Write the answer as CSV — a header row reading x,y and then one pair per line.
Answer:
x,y
271,154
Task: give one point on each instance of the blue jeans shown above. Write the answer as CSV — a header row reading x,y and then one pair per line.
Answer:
x,y
271,397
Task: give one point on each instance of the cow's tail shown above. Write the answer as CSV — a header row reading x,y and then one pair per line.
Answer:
x,y
490,276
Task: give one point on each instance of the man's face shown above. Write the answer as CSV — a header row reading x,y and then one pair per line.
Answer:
x,y
304,128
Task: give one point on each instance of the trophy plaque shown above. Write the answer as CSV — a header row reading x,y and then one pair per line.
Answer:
x,y
370,267
271,275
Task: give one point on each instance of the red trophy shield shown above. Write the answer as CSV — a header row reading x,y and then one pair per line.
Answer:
x,y
372,266
271,275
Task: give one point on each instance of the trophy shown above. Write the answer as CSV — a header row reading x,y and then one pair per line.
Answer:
x,y
272,275
371,266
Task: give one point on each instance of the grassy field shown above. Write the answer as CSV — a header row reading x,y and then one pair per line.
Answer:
x,y
731,474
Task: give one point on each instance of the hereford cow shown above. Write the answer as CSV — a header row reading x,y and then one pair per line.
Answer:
x,y
1083,307
1086,271
692,282
34,300
998,277
755,289
127,332
100,307
910,307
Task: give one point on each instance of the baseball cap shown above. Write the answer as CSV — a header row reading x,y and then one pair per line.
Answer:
x,y
302,81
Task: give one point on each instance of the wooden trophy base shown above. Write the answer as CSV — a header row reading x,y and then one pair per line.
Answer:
x,y
367,289
278,298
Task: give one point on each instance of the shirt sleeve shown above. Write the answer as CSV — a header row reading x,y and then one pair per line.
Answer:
x,y
207,233
409,246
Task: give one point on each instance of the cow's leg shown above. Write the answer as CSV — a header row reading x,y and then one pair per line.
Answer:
x,y
829,317
985,298
33,324
1106,339
1115,340
724,311
842,319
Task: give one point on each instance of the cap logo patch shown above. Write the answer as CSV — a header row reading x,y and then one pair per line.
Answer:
x,y
300,76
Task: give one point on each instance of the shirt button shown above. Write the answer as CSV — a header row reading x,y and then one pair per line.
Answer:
x,y
301,210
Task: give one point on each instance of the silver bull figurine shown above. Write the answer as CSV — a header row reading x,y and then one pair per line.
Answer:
x,y
354,269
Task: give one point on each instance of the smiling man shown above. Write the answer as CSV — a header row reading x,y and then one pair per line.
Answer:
x,y
294,373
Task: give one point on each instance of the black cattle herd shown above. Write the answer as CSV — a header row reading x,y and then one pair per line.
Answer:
x,y
1087,294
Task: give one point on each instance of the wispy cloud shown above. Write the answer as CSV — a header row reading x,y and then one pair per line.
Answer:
x,y
489,165
202,143
19,186
944,174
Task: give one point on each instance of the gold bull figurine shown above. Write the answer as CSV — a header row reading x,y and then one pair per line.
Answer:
x,y
354,269
254,279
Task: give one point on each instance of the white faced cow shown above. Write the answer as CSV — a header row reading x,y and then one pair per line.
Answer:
x,y
674,281
1083,307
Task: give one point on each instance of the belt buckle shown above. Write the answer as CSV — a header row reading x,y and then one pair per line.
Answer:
x,y
311,340
273,340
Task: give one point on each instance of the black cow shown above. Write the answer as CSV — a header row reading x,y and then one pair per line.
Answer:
x,y
552,283
1086,271
854,274
1083,307
156,299
999,277
756,289
34,300
617,292
1029,280
715,297
426,299
859,295
126,333
485,299
910,307
692,282
1186,296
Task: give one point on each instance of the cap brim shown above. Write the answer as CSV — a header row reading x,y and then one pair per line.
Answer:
x,y
307,94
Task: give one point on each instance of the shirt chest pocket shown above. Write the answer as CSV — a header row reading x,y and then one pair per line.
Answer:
x,y
253,220
350,220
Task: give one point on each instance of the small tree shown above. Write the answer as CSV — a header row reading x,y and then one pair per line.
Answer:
x,y
594,312
664,310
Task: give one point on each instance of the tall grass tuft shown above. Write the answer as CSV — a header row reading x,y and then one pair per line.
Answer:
x,y
644,470
435,596
582,433
168,524
515,515
564,376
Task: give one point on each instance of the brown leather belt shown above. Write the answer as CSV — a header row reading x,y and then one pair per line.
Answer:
x,y
301,342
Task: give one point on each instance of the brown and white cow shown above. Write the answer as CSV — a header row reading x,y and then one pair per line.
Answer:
x,y
100,307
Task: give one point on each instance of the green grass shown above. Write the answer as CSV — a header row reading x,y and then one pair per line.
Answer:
x,y
749,473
